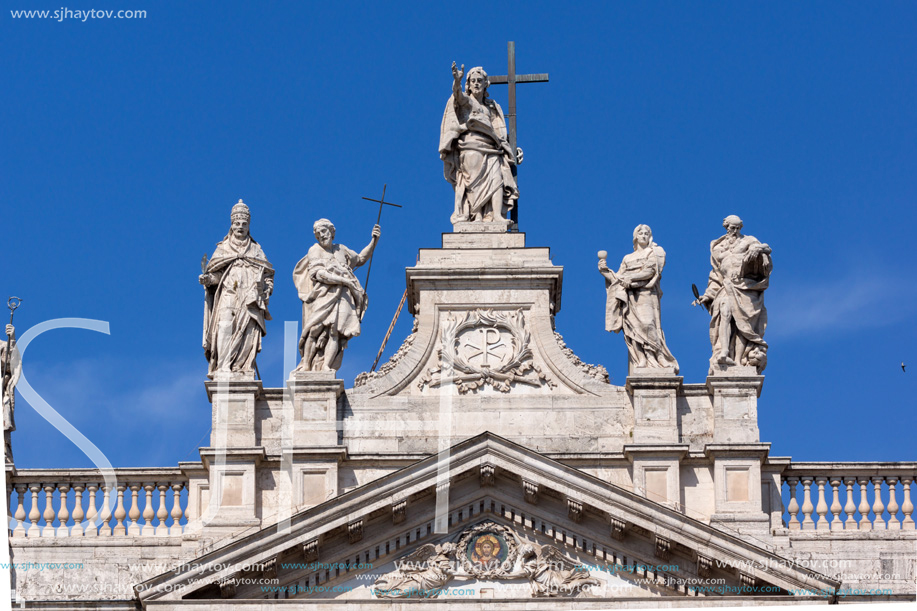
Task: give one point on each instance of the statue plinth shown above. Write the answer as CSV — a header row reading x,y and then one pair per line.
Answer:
x,y
313,398
498,226
737,485
655,393
735,392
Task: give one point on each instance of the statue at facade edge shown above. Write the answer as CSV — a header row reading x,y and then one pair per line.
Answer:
x,y
239,281
741,268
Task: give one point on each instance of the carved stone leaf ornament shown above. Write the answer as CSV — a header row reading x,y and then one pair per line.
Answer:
x,y
460,353
486,551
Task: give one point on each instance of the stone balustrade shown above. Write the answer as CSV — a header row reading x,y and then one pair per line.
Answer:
x,y
856,496
81,503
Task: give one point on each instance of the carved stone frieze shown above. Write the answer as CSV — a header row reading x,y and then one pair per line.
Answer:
x,y
355,531
748,580
574,510
420,574
663,548
368,376
310,550
484,347
486,551
593,371
228,588
617,529
530,490
704,566
399,512
488,475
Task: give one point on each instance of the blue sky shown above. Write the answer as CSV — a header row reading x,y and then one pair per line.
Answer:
x,y
126,142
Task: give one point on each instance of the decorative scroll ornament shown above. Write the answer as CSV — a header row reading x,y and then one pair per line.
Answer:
x,y
593,371
368,376
421,574
486,347
486,551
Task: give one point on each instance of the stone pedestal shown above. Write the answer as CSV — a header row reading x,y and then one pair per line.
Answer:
x,y
654,393
657,471
233,424
735,392
313,396
311,451
231,502
233,456
737,484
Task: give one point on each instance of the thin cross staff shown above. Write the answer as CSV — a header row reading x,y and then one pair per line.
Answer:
x,y
381,202
511,78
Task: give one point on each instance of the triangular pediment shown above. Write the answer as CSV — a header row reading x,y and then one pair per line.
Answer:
x,y
351,541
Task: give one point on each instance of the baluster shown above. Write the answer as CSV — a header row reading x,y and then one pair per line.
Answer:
x,y
49,515
822,508
850,508
893,523
176,509
148,511
105,516
907,508
807,522
78,514
92,522
19,531
836,508
119,512
63,515
34,514
793,507
865,524
161,513
9,507
877,506
134,515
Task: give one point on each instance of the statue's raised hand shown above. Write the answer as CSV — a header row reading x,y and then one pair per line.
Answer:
x,y
456,73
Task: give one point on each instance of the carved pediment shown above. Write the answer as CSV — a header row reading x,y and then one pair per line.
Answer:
x,y
483,532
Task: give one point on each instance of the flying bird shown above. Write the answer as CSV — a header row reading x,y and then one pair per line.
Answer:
x,y
902,366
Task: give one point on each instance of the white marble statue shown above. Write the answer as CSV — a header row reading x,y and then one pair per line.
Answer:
x,y
333,301
477,158
10,369
422,574
552,575
633,303
735,297
239,281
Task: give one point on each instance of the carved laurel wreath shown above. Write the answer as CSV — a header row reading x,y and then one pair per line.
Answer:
x,y
477,570
519,368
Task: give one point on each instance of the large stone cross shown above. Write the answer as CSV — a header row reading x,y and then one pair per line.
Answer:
x,y
511,79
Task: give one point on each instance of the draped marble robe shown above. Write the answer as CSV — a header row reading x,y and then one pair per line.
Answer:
x,y
741,268
637,310
476,155
236,306
9,374
327,305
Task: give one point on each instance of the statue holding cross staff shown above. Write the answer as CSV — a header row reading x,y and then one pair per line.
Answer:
x,y
477,158
477,146
333,301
